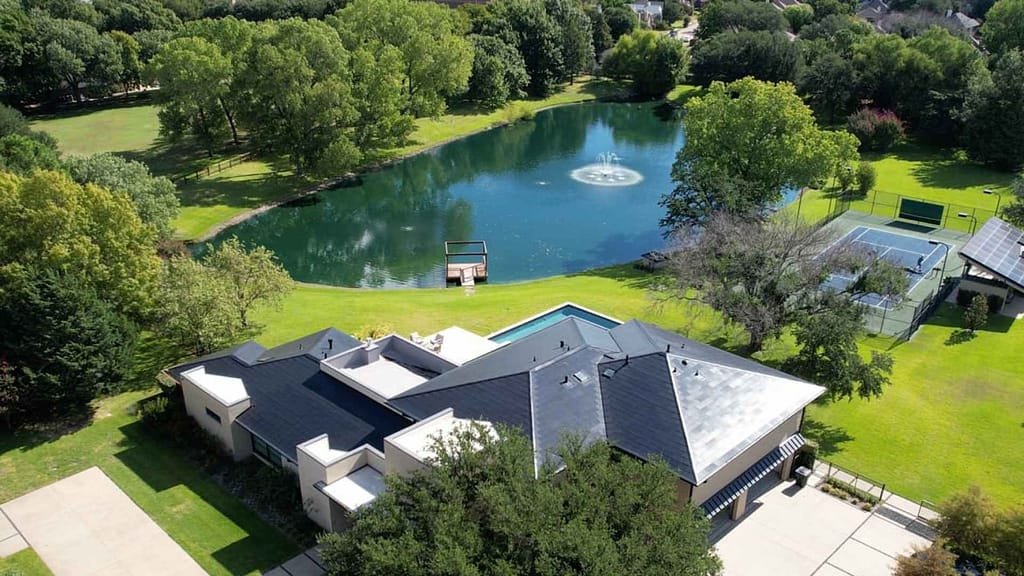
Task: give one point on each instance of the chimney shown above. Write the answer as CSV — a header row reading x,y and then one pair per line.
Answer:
x,y
330,343
668,348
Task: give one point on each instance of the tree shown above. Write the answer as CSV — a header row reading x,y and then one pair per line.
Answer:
x,y
254,276
1008,542
194,308
671,12
527,25
992,110
299,95
133,15
746,142
64,344
829,85
768,56
480,509
577,45
1013,212
766,275
131,66
150,42
75,53
933,560
602,32
840,33
1004,27
738,15
436,57
866,178
194,77
154,197
655,62
877,130
9,395
965,520
22,154
827,8
829,355
381,120
798,16
52,223
976,313
621,20
499,73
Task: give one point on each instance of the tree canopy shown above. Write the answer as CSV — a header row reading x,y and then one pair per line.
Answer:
x,y
1004,26
768,56
480,509
655,62
746,142
992,111
738,15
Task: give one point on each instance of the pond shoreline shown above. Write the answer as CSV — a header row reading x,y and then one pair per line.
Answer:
x,y
353,176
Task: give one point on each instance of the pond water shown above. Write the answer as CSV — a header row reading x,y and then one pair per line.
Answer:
x,y
511,187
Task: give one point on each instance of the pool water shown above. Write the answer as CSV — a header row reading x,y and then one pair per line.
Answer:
x,y
549,318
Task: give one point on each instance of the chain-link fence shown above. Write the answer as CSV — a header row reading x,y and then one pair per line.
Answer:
x,y
959,217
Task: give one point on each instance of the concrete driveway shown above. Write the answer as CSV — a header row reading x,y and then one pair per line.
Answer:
x,y
805,532
84,525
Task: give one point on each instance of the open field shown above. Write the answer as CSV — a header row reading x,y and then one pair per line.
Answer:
x,y
119,129
24,563
215,528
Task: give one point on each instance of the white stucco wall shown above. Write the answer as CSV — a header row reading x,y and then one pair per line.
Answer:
x,y
198,400
745,460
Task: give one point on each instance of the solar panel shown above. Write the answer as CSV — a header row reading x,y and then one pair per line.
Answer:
x,y
995,247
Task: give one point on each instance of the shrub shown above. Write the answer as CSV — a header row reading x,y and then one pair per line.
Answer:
x,y
517,112
374,331
976,313
866,178
853,492
934,560
847,178
876,129
154,410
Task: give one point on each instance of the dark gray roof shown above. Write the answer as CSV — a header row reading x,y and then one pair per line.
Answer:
x,y
246,352
997,248
318,345
293,401
647,391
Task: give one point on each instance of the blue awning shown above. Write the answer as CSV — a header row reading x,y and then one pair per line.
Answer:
x,y
759,470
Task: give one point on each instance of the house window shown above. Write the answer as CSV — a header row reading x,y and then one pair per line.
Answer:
x,y
213,415
265,451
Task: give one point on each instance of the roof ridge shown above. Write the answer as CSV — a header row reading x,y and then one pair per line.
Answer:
x,y
682,421
410,394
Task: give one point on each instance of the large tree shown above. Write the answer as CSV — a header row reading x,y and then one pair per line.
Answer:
x,y
993,111
50,222
1004,26
154,197
766,275
769,56
480,509
74,53
134,15
436,57
194,309
299,102
527,25
655,62
499,73
576,36
829,85
62,342
1014,210
737,15
254,276
746,142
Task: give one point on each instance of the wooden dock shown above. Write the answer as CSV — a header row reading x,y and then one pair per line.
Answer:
x,y
462,272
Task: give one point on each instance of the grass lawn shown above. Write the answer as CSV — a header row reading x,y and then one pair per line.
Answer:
x,y
24,563
120,129
215,528
953,417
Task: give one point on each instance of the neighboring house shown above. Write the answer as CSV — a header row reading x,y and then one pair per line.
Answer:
x,y
874,11
344,414
783,4
994,261
648,13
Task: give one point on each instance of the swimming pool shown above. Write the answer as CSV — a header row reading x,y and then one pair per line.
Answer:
x,y
549,317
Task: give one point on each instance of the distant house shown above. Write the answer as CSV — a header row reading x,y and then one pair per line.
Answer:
x,y
874,11
343,414
994,261
969,25
649,13
783,4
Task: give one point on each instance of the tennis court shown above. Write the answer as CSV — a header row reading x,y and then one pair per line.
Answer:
x,y
916,256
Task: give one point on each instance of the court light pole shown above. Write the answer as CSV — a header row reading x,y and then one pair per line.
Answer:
x,y
974,221
945,255
999,197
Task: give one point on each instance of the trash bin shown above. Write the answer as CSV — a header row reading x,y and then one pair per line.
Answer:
x,y
802,474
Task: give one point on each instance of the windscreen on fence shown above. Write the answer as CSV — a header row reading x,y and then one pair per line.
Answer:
x,y
918,211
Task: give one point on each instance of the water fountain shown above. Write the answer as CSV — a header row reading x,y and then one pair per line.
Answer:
x,y
607,171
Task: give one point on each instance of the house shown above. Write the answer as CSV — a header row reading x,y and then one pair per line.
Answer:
x,y
994,261
647,12
969,25
874,11
344,414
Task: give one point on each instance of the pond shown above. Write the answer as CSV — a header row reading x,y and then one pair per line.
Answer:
x,y
512,187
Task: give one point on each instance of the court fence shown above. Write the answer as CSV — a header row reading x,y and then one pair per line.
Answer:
x,y
887,204
904,320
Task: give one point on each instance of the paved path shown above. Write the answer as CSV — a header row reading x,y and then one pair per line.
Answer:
x,y
84,525
805,532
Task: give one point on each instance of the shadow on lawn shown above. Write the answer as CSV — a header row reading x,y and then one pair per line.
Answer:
x,y
950,316
162,467
829,438
73,109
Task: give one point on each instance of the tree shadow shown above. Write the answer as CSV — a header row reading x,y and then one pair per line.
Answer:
x,y
152,354
51,111
33,434
161,467
959,337
629,274
829,438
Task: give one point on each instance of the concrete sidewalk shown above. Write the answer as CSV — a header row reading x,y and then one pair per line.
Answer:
x,y
84,525
805,532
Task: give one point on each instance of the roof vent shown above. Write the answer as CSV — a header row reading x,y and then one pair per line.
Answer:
x,y
684,362
608,373
581,376
561,343
330,343
668,348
